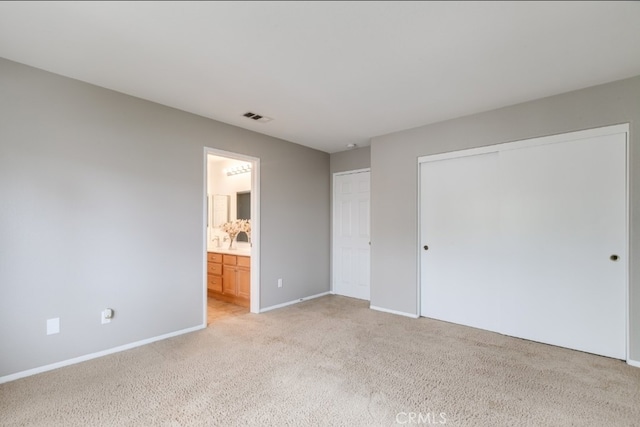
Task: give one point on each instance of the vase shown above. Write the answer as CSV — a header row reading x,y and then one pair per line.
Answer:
x,y
231,240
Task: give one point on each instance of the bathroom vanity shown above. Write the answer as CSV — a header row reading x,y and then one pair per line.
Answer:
x,y
229,276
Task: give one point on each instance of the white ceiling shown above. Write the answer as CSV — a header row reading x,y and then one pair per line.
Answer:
x,y
329,73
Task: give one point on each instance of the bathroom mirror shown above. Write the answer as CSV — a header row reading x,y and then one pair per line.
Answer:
x,y
243,211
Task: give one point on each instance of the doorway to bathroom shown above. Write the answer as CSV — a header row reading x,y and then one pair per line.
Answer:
x,y
231,235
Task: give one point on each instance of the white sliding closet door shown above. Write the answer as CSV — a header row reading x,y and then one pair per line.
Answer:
x,y
563,215
529,239
460,213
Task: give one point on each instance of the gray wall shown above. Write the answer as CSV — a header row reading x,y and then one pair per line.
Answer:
x,y
394,273
349,160
102,206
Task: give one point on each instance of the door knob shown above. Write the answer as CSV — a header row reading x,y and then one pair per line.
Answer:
x,y
614,257
426,248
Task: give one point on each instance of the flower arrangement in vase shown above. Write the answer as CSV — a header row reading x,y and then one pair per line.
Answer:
x,y
232,228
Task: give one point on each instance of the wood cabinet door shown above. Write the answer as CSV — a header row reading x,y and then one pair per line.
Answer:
x,y
229,286
244,282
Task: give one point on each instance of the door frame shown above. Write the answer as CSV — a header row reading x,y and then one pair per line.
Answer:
x,y
531,142
333,214
254,305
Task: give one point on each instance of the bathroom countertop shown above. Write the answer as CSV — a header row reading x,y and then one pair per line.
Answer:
x,y
241,250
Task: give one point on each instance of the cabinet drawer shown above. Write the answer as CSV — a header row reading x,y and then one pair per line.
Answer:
x,y
214,283
229,259
244,261
214,257
214,268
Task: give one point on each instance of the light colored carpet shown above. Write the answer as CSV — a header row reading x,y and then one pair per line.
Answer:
x,y
331,361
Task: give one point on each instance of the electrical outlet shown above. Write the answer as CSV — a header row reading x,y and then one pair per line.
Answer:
x,y
53,326
279,283
106,315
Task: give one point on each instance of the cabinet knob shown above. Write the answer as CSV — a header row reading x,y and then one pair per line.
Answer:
x,y
426,248
614,257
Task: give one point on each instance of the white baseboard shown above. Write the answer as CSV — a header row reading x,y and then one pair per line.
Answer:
x,y
284,304
634,363
34,371
399,313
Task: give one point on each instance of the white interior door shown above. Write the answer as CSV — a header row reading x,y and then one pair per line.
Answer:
x,y
351,240
521,241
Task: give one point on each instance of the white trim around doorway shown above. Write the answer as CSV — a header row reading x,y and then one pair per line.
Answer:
x,y
255,227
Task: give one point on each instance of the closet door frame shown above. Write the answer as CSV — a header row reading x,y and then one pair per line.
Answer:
x,y
518,144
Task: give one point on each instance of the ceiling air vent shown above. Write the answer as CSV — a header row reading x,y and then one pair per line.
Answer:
x,y
257,117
